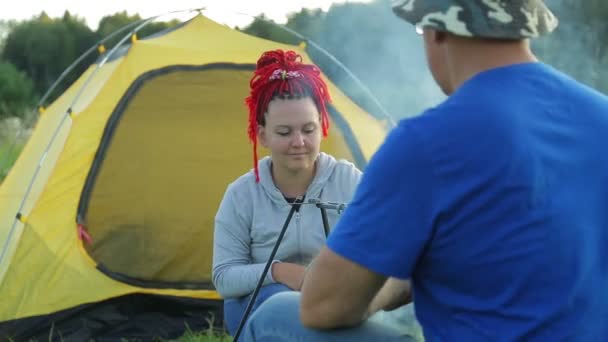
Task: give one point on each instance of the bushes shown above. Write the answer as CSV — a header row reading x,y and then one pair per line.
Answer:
x,y
16,92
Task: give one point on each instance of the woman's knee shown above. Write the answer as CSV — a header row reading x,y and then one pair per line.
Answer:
x,y
271,290
281,306
234,308
232,314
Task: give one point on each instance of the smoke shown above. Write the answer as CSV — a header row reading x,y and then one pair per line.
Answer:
x,y
382,51
577,46
386,54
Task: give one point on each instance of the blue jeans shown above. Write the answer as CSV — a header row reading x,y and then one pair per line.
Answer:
x,y
278,319
234,308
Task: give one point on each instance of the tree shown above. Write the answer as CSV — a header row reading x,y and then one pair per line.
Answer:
x,y
5,28
381,50
377,47
16,91
373,44
43,47
388,57
263,27
114,22
311,23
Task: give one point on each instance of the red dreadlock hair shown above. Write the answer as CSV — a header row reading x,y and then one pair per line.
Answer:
x,y
282,74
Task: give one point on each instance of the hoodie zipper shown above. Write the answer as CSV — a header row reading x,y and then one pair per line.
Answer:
x,y
299,234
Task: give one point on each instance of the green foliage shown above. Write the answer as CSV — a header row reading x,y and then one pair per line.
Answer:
x,y
111,23
267,29
372,51
5,28
8,155
16,91
114,22
388,57
211,334
204,336
43,47
309,22
379,49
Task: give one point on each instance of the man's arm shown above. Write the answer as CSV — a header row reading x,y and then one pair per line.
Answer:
x,y
393,294
382,233
337,292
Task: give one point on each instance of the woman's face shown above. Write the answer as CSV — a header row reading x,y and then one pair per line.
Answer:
x,y
292,133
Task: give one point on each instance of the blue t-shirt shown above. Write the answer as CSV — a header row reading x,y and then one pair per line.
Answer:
x,y
495,204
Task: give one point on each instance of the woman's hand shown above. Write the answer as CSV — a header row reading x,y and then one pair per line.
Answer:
x,y
288,274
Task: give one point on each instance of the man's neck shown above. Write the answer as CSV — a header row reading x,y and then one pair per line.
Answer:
x,y
469,57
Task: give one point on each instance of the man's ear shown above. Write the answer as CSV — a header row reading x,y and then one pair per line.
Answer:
x,y
262,138
438,37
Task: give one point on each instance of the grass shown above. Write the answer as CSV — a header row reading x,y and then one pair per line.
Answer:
x,y
8,157
14,132
208,335
211,334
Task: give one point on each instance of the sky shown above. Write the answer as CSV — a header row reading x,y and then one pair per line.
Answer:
x,y
230,12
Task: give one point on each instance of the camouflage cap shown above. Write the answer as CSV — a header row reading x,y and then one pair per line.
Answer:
x,y
503,19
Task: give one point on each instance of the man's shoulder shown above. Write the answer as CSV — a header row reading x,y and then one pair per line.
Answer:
x,y
431,123
404,146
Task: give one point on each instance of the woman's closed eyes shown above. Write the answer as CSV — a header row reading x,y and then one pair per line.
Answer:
x,y
308,129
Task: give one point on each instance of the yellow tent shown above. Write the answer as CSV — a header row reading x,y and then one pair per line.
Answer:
x,y
110,206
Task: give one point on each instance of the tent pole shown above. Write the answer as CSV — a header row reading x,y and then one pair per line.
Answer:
x,y
381,108
59,79
68,114
383,111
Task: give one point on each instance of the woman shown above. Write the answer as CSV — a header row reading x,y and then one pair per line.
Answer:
x,y
288,116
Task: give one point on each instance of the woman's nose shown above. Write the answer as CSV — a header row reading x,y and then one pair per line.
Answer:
x,y
297,140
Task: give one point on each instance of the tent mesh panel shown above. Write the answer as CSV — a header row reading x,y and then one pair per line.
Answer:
x,y
178,139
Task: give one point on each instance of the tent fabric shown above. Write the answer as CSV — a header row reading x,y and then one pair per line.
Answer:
x,y
135,317
141,159
16,184
129,234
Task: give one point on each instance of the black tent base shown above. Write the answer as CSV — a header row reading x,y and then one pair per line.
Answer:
x,y
135,317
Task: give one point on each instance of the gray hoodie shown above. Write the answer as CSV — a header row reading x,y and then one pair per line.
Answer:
x,y
252,214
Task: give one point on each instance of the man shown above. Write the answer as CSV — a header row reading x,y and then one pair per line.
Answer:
x,y
494,203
